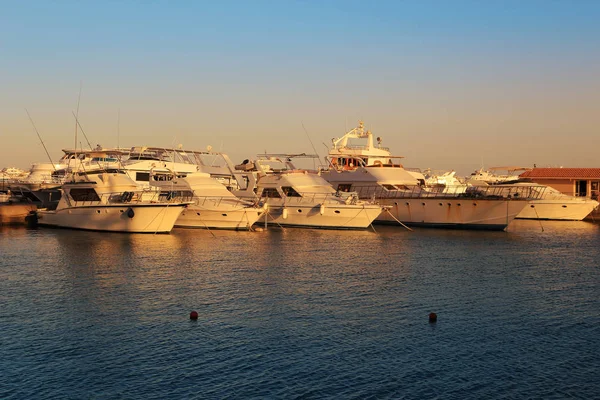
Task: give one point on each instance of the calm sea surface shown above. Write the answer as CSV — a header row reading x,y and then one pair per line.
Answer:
x,y
302,314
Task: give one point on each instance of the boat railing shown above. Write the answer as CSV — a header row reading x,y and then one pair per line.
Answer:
x,y
320,198
364,147
219,200
128,197
458,191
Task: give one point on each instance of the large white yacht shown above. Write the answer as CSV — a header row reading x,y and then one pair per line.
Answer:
x,y
374,173
301,198
111,201
213,205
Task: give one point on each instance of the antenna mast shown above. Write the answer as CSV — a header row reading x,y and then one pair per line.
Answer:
x,y
39,137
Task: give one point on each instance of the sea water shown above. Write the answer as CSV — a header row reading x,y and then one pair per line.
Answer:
x,y
301,314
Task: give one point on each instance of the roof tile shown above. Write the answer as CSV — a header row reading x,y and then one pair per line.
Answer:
x,y
557,173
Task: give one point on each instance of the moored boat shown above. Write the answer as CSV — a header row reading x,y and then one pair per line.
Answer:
x,y
213,205
374,173
301,198
111,201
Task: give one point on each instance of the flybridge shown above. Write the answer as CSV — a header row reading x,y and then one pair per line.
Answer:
x,y
359,132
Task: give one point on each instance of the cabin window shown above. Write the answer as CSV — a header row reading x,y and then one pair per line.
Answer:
x,y
84,194
157,177
271,193
290,191
142,176
344,187
389,187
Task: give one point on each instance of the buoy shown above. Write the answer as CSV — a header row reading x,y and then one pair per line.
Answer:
x,y
259,229
432,318
322,209
194,315
285,213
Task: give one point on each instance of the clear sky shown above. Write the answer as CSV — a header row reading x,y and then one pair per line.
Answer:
x,y
447,84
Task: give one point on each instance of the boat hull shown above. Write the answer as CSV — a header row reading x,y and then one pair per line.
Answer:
x,y
201,217
338,216
557,210
479,214
132,218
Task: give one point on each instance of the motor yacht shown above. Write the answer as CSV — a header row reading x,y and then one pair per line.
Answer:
x,y
111,201
301,198
374,173
550,204
213,205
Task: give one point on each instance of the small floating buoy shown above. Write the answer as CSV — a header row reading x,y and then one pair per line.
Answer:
x,y
284,214
259,229
432,318
194,315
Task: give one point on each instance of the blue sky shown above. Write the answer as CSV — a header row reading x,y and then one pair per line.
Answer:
x,y
448,84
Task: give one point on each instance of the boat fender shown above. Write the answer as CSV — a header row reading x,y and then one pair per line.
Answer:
x,y
130,212
322,209
285,213
31,219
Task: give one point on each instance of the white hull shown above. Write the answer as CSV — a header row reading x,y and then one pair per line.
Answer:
x,y
147,218
340,216
557,210
200,217
452,213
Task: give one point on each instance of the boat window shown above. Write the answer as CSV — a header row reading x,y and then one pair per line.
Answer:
x,y
84,194
271,193
344,187
104,159
160,177
389,187
142,176
290,191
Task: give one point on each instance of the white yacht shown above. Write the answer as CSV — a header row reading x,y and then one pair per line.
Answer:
x,y
111,201
213,205
554,205
374,173
497,175
301,198
550,204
